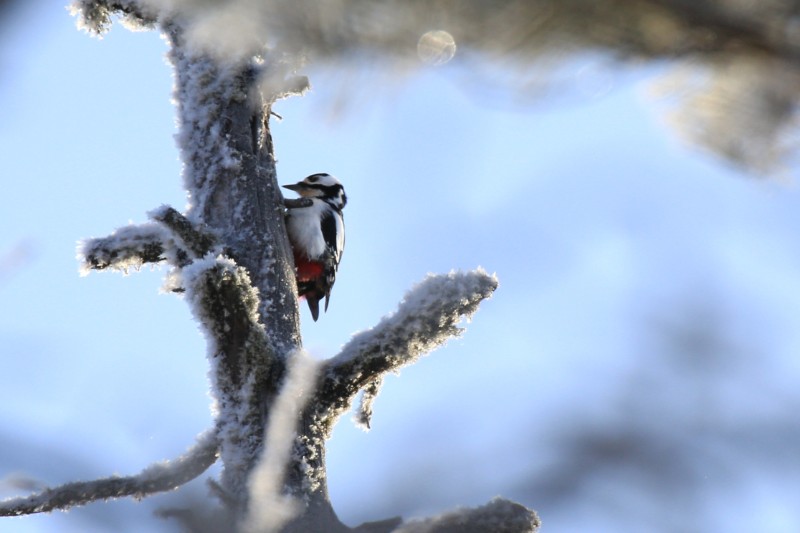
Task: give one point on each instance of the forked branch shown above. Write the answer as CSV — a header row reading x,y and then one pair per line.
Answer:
x,y
427,317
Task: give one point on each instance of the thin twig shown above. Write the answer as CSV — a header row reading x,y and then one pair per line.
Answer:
x,y
157,477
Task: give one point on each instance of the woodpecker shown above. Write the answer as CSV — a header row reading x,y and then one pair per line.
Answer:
x,y
316,233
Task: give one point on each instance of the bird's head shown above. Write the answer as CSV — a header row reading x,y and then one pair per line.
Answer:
x,y
322,186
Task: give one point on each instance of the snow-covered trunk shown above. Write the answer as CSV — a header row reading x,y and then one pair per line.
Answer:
x,y
230,176
306,476
231,179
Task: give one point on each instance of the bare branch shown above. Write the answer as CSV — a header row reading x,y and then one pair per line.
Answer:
x,y
497,516
426,318
157,477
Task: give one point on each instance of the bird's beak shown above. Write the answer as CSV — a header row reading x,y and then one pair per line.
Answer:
x,y
296,187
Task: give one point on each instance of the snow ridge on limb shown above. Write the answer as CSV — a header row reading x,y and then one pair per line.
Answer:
x,y
158,477
126,248
172,238
427,317
94,16
194,237
224,301
497,516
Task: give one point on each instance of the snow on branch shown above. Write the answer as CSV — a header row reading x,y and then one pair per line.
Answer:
x,y
426,318
225,302
497,516
158,477
199,241
363,416
94,16
126,248
173,238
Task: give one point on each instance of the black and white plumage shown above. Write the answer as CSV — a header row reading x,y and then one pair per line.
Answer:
x,y
316,233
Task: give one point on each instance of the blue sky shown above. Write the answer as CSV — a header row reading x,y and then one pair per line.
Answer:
x,y
598,221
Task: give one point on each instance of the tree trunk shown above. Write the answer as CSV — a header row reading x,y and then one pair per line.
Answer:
x,y
231,178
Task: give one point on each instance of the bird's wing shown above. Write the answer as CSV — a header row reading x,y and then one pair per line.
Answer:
x,y
332,225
